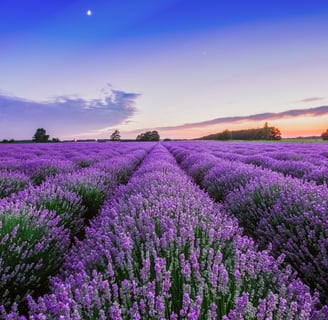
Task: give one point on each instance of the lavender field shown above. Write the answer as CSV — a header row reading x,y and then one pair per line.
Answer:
x,y
174,230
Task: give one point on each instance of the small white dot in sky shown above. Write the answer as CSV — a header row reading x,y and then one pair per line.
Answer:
x,y
89,12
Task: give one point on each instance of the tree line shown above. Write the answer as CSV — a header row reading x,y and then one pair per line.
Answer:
x,y
265,133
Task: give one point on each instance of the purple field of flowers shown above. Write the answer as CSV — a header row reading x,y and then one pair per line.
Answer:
x,y
175,230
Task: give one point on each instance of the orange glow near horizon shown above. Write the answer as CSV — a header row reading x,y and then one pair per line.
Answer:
x,y
289,127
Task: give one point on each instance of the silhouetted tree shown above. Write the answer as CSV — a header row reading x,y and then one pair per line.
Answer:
x,y
225,135
115,136
148,136
40,135
324,135
274,134
266,131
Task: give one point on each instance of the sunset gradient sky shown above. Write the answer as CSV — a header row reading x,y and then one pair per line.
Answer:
x,y
166,65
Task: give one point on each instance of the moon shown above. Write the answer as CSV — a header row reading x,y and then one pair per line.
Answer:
x,y
89,13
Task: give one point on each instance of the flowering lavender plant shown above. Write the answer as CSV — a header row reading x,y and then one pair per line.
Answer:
x,y
90,184
40,169
32,247
291,217
11,182
52,197
225,176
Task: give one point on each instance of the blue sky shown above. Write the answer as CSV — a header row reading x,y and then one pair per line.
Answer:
x,y
139,65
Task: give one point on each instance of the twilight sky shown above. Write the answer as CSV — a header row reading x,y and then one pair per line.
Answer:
x,y
185,68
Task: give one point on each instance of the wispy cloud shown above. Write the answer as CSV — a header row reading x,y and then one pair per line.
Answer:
x,y
66,115
312,99
317,111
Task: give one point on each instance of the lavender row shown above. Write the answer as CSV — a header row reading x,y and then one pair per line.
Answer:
x,y
161,249
285,214
39,223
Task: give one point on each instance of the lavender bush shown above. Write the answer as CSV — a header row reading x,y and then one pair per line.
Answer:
x,y
197,165
259,160
296,169
11,182
291,217
52,197
225,176
10,163
120,168
40,169
90,184
319,175
32,246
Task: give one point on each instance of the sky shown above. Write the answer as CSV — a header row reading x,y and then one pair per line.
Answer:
x,y
185,68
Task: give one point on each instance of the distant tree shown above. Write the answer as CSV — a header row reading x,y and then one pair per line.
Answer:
x,y
266,131
274,134
271,133
148,136
40,135
225,135
115,136
167,139
55,140
324,135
